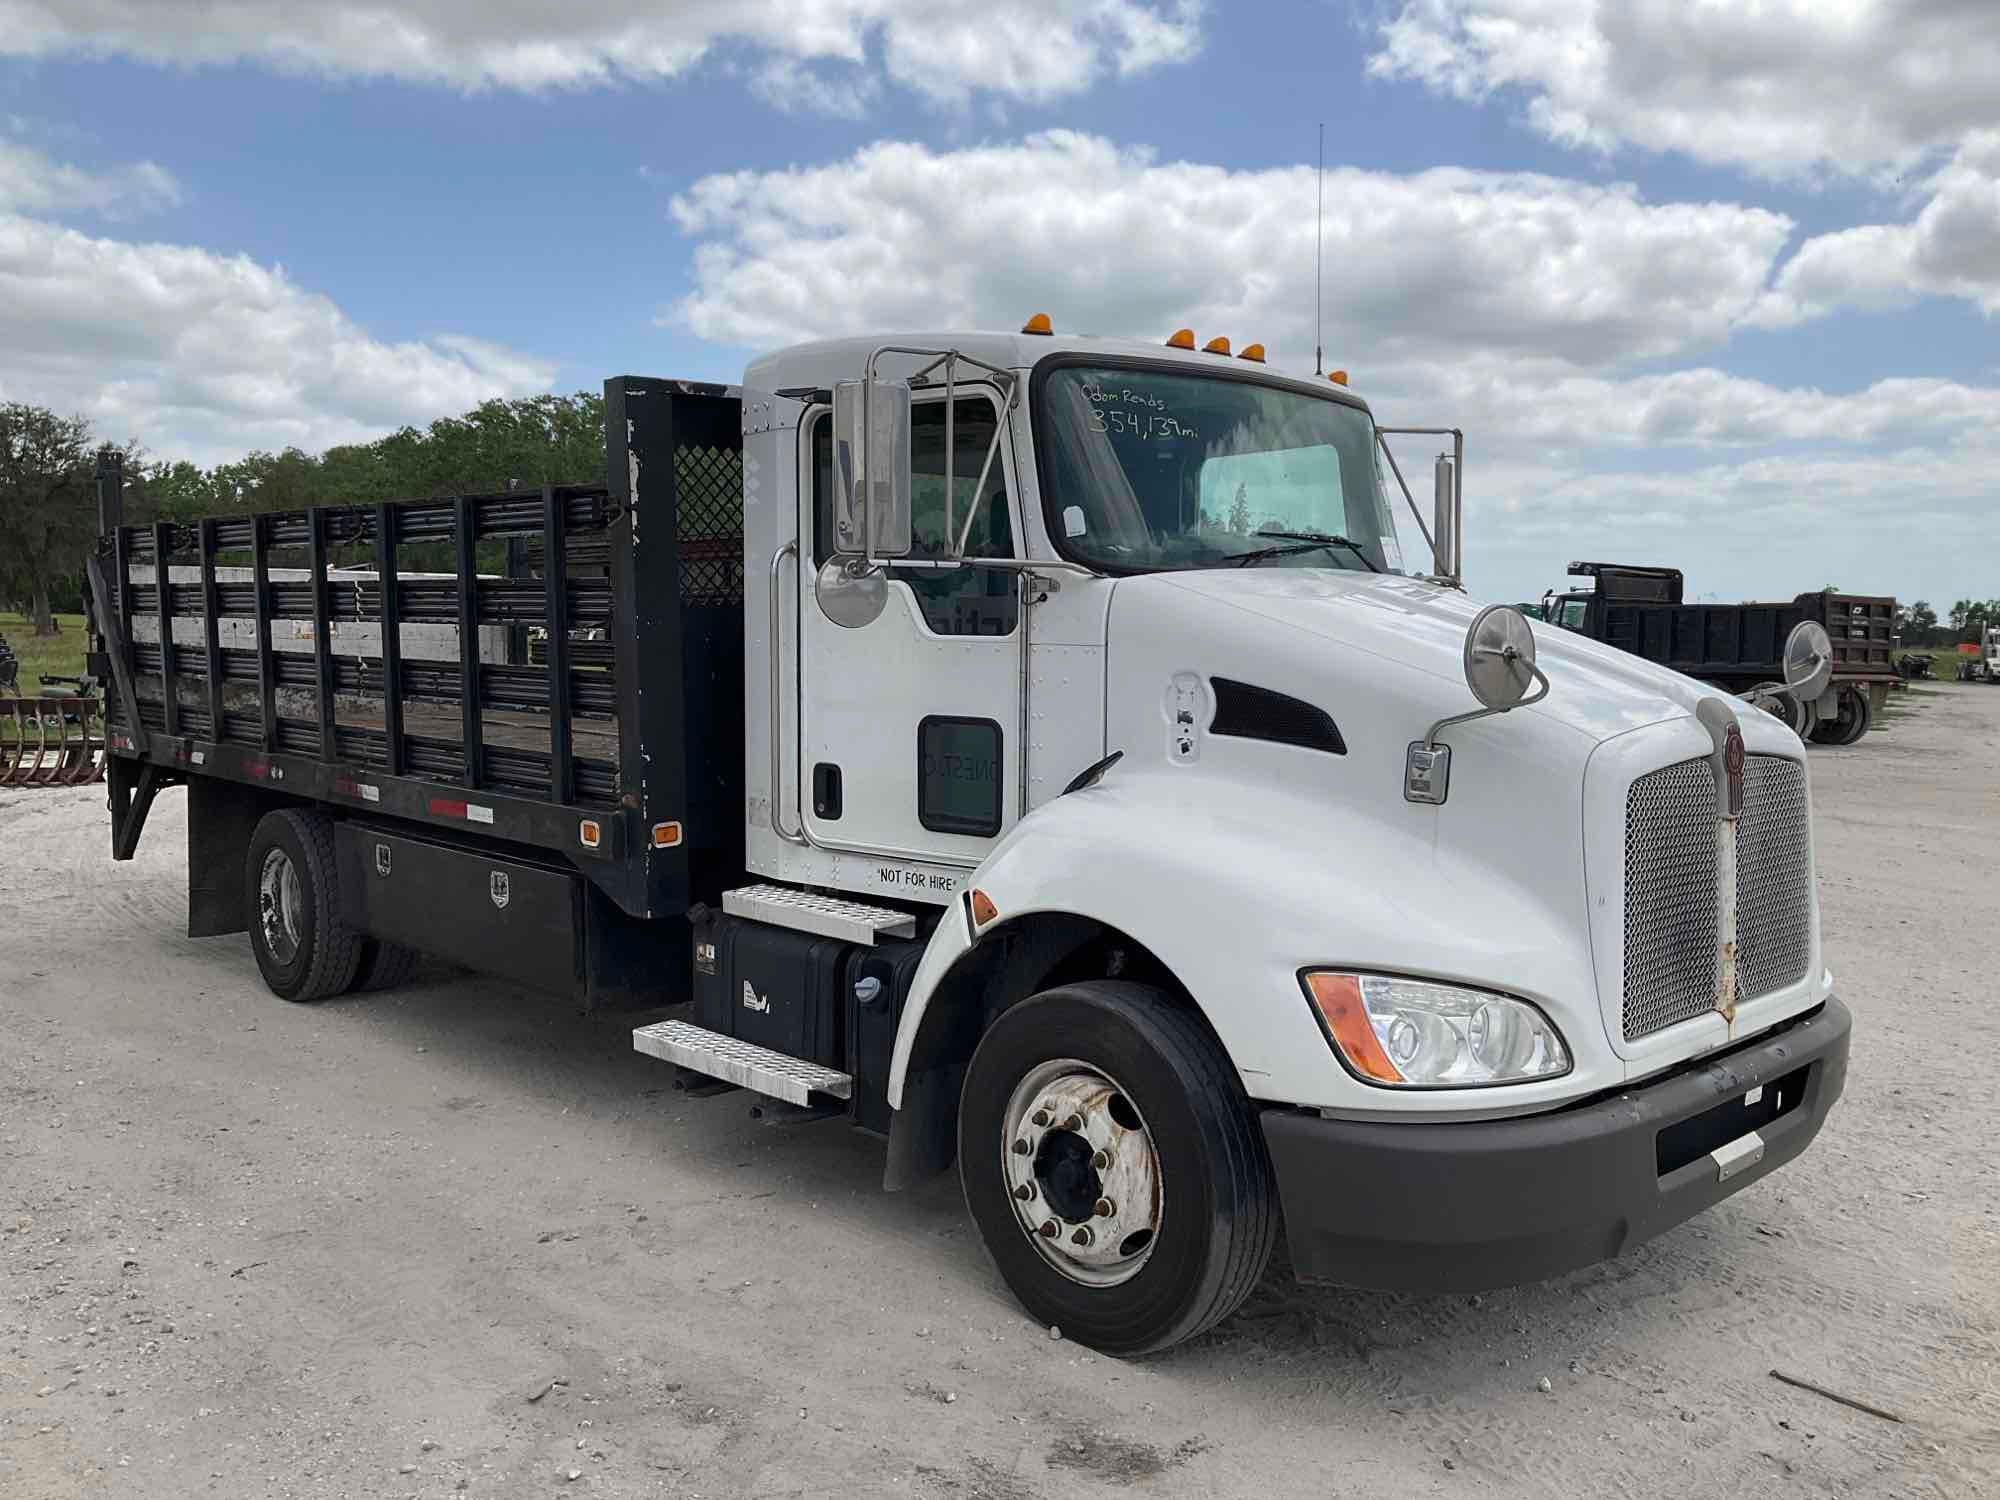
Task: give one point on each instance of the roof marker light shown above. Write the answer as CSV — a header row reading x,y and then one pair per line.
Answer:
x,y
1253,352
1338,377
1039,323
1216,346
1183,339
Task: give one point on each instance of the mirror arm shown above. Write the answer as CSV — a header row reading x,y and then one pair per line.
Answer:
x,y
992,449
951,448
1541,682
1410,500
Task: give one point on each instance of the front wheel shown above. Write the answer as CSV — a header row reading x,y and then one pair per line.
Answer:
x,y
1115,1169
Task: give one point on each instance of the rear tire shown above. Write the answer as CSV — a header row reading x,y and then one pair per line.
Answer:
x,y
383,966
304,948
1851,720
1163,1118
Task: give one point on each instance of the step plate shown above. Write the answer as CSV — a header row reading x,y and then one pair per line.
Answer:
x,y
828,916
741,1063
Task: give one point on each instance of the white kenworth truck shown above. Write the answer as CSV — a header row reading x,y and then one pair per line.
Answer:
x,y
1070,758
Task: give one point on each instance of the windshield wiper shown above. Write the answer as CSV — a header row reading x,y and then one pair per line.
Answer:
x,y
1302,541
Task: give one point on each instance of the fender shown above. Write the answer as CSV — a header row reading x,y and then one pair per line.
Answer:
x,y
1236,887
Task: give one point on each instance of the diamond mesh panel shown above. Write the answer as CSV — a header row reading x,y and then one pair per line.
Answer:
x,y
1671,931
710,486
1773,877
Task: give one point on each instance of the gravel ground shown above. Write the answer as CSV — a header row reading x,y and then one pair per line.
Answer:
x,y
458,1239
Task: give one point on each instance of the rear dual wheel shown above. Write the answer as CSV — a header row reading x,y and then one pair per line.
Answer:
x,y
305,948
1114,1167
1852,717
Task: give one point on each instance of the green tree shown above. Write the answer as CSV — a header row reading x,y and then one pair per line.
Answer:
x,y
47,505
1917,624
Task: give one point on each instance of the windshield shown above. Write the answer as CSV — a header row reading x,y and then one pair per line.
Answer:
x,y
1152,469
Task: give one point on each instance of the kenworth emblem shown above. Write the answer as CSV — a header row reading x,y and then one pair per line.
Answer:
x,y
497,888
1732,770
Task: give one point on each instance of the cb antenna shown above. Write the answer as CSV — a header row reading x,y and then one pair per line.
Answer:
x,y
1319,243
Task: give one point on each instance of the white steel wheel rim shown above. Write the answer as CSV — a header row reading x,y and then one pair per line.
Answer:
x,y
281,906
1081,1172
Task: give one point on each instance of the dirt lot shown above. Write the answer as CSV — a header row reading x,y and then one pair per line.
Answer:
x,y
252,1249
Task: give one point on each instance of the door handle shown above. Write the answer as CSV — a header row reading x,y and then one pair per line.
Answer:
x,y
790,549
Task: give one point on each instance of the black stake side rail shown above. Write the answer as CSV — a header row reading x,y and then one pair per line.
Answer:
x,y
549,799
646,570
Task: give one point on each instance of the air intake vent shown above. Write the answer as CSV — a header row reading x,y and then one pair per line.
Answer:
x,y
1254,713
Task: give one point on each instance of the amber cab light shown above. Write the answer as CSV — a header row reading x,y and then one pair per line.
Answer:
x,y
1039,323
1338,997
1183,338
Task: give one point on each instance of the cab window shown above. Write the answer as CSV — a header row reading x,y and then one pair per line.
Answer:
x,y
960,601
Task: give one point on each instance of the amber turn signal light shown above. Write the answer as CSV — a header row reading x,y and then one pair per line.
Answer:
x,y
1338,997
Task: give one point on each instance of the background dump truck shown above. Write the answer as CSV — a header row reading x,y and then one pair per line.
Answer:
x,y
1741,647
1046,753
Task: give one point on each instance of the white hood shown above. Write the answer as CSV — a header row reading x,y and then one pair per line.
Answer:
x,y
1421,627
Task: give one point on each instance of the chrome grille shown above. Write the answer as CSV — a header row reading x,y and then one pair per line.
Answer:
x,y
1671,967
1672,928
1773,877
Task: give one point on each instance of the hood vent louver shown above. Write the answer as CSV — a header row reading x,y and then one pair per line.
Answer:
x,y
1254,713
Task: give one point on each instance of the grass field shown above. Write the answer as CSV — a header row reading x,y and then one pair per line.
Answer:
x,y
60,655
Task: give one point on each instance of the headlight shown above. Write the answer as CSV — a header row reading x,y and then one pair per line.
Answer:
x,y
1413,1033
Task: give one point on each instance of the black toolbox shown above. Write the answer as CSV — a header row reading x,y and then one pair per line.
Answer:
x,y
771,987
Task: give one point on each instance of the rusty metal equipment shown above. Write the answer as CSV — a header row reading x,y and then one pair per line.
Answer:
x,y
51,741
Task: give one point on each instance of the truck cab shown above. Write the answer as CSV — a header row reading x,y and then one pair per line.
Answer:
x,y
1123,668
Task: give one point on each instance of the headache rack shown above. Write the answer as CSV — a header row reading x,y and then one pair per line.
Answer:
x,y
564,671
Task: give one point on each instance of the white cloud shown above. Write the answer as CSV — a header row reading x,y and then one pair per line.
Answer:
x,y
945,50
1533,311
1951,249
31,183
1779,87
204,356
1418,267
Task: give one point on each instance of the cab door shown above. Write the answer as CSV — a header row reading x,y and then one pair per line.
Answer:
x,y
910,725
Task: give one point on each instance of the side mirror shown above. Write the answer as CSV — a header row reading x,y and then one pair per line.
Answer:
x,y
871,468
1808,660
1444,516
1500,669
1500,658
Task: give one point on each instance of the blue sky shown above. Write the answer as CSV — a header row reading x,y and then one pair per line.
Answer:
x,y
1704,288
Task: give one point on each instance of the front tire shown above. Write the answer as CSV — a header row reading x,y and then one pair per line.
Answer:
x,y
292,891
1142,1210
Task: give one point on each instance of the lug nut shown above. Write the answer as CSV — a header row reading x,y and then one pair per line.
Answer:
x,y
1049,1230
1101,1160
1040,1119
1024,1192
1081,1237
1074,1122
1106,1208
1021,1148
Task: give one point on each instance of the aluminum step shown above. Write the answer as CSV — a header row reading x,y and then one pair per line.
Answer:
x,y
828,916
742,1063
